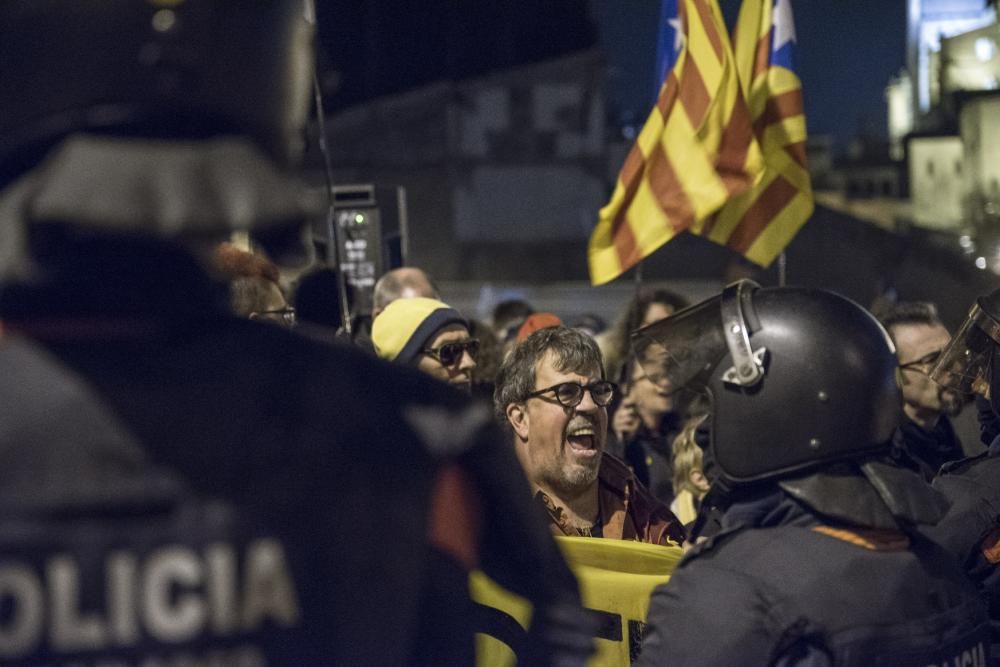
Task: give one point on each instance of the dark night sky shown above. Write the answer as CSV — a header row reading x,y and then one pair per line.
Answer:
x,y
847,49
847,52
385,46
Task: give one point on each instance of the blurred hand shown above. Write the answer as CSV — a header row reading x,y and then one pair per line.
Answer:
x,y
626,420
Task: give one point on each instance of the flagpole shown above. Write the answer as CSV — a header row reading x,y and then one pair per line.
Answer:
x,y
782,269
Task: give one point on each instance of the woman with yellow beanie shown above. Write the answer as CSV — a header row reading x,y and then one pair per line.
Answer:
x,y
430,335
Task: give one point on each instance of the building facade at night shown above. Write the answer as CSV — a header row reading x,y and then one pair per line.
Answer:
x,y
951,126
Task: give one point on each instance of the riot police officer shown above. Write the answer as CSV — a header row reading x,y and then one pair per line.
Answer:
x,y
971,529
821,558
180,486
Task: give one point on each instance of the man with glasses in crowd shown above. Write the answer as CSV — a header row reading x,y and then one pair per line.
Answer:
x,y
925,439
430,335
552,394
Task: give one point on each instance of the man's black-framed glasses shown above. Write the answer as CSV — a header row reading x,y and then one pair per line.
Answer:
x,y
923,364
569,394
450,354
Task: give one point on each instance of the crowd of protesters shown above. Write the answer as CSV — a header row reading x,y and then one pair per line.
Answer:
x,y
612,450
655,434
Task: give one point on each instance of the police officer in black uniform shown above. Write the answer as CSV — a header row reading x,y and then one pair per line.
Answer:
x,y
971,529
820,559
178,486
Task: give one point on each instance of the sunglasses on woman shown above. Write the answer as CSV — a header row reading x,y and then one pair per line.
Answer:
x,y
450,354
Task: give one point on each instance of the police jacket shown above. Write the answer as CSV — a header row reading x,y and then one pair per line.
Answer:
x,y
785,584
180,486
971,528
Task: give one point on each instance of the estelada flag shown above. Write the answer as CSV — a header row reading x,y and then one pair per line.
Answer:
x,y
696,151
760,222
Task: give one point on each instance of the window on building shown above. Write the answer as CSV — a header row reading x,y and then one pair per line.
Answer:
x,y
985,49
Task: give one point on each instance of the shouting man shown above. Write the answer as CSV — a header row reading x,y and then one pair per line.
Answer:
x,y
552,394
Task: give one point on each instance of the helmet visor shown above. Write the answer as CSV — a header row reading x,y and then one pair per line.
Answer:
x,y
685,348
965,365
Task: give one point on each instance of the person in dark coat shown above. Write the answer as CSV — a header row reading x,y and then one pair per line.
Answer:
x,y
180,485
971,529
821,557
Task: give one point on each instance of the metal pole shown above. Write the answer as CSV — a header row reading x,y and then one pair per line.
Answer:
x,y
782,269
345,310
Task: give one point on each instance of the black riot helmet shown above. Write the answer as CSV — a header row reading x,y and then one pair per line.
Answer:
x,y
797,377
966,365
152,68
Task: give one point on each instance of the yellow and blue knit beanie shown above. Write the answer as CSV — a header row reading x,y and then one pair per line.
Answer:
x,y
405,327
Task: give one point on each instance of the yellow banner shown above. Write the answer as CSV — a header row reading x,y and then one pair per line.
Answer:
x,y
616,578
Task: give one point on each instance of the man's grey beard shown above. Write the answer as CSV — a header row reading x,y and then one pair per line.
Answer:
x,y
577,480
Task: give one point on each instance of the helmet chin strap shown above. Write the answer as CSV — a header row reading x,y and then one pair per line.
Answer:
x,y
748,364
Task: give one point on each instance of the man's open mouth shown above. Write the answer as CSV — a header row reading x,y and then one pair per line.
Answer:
x,y
582,440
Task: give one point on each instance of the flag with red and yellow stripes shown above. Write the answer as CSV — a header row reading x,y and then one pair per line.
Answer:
x,y
760,222
696,151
